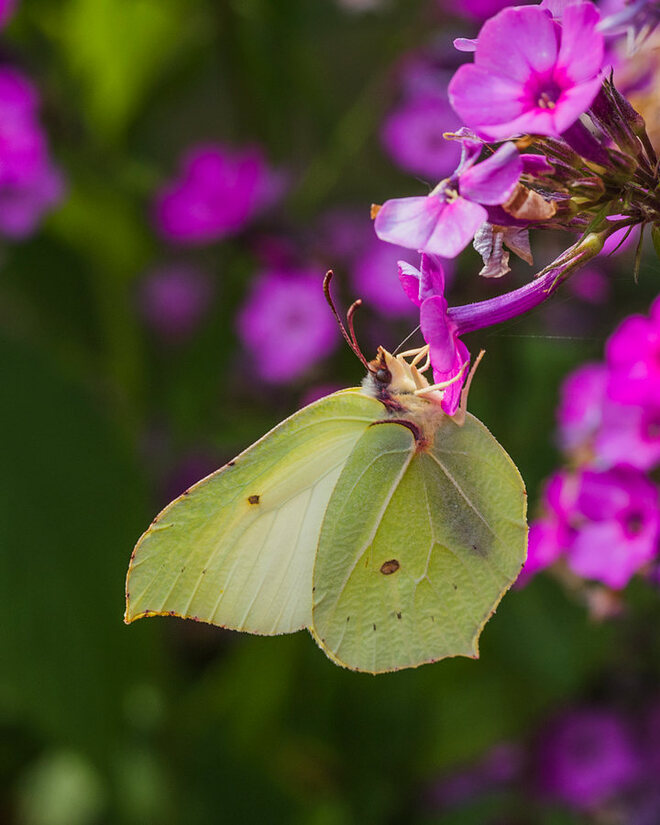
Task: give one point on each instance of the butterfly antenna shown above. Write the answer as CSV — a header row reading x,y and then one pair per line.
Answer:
x,y
350,339
407,338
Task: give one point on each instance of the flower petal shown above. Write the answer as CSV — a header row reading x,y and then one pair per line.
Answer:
x,y
455,227
582,47
409,222
574,102
480,97
493,180
518,42
432,277
410,279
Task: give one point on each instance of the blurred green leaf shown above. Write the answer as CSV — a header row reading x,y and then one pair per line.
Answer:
x,y
116,50
72,505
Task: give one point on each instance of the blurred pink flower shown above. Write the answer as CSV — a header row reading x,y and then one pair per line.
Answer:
x,y
580,409
29,183
587,757
633,356
286,324
616,521
374,277
7,9
412,134
530,74
219,191
174,298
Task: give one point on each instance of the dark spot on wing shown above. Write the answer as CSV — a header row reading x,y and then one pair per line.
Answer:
x,y
230,463
398,615
455,586
374,627
348,618
389,567
253,499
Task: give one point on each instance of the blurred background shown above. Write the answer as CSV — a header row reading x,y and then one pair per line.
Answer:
x,y
175,178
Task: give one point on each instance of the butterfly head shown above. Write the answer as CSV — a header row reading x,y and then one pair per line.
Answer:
x,y
390,375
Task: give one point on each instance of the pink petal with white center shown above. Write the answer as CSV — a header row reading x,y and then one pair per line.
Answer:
x,y
408,222
582,47
455,227
493,180
518,42
481,98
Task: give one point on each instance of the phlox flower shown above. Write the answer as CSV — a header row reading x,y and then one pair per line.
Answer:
x,y
173,299
586,757
633,357
444,222
611,432
7,8
449,355
412,135
604,523
219,191
531,74
285,324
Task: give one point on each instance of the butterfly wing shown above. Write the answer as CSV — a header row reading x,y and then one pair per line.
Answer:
x,y
237,549
417,547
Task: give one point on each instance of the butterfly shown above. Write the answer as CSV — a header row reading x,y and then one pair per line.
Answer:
x,y
385,527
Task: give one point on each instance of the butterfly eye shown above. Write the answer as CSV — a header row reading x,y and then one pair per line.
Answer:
x,y
383,376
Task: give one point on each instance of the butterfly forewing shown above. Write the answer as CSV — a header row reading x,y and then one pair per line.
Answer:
x,y
237,550
417,547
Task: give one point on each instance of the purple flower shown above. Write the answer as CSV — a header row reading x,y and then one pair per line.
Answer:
x,y
29,183
218,192
449,355
173,299
633,356
550,535
628,434
591,286
286,325
373,277
444,222
616,522
530,74
23,207
412,135
587,757
580,409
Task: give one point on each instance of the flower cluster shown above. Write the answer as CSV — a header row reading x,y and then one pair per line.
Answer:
x,y
549,142
602,517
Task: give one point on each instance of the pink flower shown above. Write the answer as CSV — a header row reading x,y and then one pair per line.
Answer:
x,y
580,409
285,324
587,757
444,222
530,74
173,299
449,355
633,356
220,190
616,521
412,135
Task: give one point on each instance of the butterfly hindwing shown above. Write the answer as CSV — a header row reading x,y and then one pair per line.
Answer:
x,y
237,549
417,546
